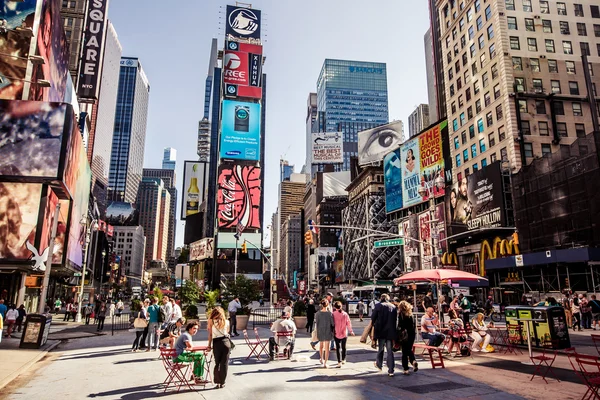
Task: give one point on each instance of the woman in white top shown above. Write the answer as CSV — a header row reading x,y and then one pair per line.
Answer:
x,y
480,333
11,319
219,341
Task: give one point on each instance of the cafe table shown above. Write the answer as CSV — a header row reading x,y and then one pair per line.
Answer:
x,y
527,320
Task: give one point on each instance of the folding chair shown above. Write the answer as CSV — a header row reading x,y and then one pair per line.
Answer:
x,y
589,368
596,340
282,335
572,356
176,372
264,343
513,337
543,362
253,345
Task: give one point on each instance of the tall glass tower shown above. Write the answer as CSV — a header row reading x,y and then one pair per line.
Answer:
x,y
350,92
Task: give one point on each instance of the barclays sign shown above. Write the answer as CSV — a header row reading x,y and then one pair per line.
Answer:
x,y
366,70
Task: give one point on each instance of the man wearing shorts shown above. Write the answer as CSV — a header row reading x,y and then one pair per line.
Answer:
x,y
171,332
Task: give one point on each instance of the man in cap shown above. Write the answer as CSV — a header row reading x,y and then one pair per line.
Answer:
x,y
284,332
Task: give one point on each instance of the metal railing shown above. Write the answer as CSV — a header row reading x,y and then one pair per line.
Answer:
x,y
265,315
120,322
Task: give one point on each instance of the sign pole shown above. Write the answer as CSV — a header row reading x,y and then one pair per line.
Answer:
x,y
85,259
235,263
42,306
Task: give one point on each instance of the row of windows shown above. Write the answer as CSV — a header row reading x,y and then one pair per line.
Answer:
x,y
565,28
544,130
561,8
537,86
535,66
559,108
484,163
567,45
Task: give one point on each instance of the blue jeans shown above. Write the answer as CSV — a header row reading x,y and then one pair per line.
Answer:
x,y
385,344
435,339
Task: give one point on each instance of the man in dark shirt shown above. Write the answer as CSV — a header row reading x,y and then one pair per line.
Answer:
x,y
428,300
384,321
595,304
171,332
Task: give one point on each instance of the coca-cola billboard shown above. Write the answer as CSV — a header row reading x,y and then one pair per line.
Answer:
x,y
238,196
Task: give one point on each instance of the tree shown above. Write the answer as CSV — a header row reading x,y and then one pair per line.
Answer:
x,y
190,293
245,289
158,293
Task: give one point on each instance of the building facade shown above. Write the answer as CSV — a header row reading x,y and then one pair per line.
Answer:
x,y
73,16
129,245
129,137
418,120
291,245
154,202
291,202
169,158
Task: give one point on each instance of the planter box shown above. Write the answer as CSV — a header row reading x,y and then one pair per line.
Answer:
x,y
300,322
241,322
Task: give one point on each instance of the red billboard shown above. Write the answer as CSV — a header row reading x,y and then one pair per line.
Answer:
x,y
238,196
242,65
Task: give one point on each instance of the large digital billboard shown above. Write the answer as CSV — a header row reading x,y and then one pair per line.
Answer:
x,y
476,201
93,45
119,213
242,70
327,148
392,181
432,159
194,187
240,130
410,165
50,202
242,23
238,196
374,144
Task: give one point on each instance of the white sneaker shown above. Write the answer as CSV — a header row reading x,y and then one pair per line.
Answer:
x,y
484,351
339,365
475,350
343,361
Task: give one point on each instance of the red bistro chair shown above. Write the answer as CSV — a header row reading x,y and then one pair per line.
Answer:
x,y
543,362
255,346
176,372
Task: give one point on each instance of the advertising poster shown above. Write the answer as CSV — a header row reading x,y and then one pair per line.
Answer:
x,y
327,148
242,23
425,238
476,201
93,44
238,196
335,183
119,213
194,187
31,135
19,209
392,181
374,144
411,178
338,266
439,230
51,200
240,130
16,32
432,160
326,256
202,249
242,64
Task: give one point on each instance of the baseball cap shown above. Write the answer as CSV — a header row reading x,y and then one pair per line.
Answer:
x,y
329,294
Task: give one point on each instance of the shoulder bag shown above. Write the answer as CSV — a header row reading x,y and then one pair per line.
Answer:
x,y
231,344
140,322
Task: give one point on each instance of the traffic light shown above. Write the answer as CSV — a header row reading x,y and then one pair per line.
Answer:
x,y
308,238
244,248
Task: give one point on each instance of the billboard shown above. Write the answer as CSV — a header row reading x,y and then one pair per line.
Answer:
x,y
50,202
392,181
327,148
425,238
410,169
242,23
374,144
19,209
335,183
119,213
240,130
326,256
16,32
432,159
92,50
410,228
238,196
476,201
202,249
242,66
194,187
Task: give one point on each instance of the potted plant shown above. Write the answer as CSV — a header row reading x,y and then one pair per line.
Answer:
x,y
300,314
246,290
210,299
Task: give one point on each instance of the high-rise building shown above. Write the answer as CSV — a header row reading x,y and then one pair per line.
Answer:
x,y
430,73
418,120
311,118
129,244
291,202
127,157
169,158
352,91
516,85
73,17
439,98
291,245
285,170
204,140
154,202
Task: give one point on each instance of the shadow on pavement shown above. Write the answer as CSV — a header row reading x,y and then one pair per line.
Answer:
x,y
106,353
140,392
566,375
141,360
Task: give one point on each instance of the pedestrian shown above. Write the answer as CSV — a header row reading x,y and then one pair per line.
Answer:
x,y
139,330
153,313
341,321
286,326
100,316
183,349
586,312
465,305
3,308
310,315
360,307
429,328
74,311
68,309
171,332
175,311
427,300
11,319
480,334
111,309
87,311
167,311
233,308
120,307
457,332
576,311
57,305
1,326
21,317
314,338
384,318
220,343
489,306
325,328
566,303
288,308
145,306
407,323
595,306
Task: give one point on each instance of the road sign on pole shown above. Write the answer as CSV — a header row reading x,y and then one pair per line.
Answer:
x,y
389,243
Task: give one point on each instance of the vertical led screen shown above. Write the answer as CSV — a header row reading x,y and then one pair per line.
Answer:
x,y
242,70
238,197
19,209
240,130
242,23
392,181
194,187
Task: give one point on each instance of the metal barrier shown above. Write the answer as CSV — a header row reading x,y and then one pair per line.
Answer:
x,y
265,315
120,322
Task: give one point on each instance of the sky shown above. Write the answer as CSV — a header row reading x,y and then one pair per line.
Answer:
x,y
172,41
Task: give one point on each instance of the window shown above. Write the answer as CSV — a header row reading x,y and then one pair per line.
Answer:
x,y
477,5
453,107
492,50
547,26
598,48
546,149
491,139
472,50
561,129
522,106
537,86
468,94
555,87
543,128
473,150
549,45
494,70
580,130
573,88
534,64
467,173
475,168
540,107
501,134
595,11
480,125
528,149
457,160
514,43
517,63
471,132
552,65
559,108
458,83
456,143
451,90
532,44
489,120
529,26
577,111
496,91
561,8
478,106
481,145
461,24
504,154
544,7
578,10
471,32
464,60
484,162
460,101
490,32
469,112
462,119
493,157
597,30
527,5
585,49
476,87
488,13
463,136
581,29
455,124
570,67
450,74
512,23
564,28
525,128
470,15
482,59
519,84
485,79
474,68
466,155
481,42
510,4
479,23
487,100
567,47
499,112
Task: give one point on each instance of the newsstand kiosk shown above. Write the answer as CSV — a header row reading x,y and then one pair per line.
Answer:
x,y
547,325
35,333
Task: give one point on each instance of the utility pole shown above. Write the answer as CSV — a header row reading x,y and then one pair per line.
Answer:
x,y
84,269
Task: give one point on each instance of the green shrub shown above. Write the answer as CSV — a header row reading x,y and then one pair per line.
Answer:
x,y
299,309
191,312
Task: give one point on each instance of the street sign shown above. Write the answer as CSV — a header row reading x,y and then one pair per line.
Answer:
x,y
389,243
77,274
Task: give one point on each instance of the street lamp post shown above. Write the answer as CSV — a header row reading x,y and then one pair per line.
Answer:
x,y
84,269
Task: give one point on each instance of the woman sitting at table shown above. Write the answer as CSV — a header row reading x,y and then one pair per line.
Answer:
x,y
457,332
184,350
480,334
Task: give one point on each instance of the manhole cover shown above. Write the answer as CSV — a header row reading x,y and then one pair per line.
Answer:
x,y
435,387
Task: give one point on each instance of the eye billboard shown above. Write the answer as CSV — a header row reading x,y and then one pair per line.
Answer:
x,y
374,144
240,130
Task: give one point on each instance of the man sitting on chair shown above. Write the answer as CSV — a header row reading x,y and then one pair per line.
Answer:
x,y
282,325
171,332
429,323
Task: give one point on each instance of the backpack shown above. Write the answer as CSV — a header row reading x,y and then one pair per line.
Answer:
x,y
465,351
161,315
465,304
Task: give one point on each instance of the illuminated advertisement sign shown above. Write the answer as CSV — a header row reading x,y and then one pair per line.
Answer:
x,y
432,159
93,43
240,130
392,181
242,23
202,249
327,148
374,144
194,187
242,65
238,196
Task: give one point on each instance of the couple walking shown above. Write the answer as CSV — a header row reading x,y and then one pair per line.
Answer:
x,y
332,324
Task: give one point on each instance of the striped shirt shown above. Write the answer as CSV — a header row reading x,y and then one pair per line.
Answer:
x,y
427,325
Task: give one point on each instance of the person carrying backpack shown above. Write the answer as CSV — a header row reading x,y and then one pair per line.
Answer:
x,y
465,305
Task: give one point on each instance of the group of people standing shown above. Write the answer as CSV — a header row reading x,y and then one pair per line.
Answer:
x,y
580,312
154,321
12,317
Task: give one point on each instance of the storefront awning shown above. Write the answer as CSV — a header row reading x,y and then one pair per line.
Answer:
x,y
577,255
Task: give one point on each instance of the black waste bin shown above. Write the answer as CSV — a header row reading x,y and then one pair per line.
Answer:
x,y
35,333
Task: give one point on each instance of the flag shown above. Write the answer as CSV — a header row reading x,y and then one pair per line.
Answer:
x,y
240,228
312,227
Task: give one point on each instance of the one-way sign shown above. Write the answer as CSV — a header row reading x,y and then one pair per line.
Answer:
x,y
389,243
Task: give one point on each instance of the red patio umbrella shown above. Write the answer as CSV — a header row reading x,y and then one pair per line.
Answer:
x,y
436,275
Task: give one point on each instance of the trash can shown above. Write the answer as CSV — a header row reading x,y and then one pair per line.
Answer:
x,y
35,332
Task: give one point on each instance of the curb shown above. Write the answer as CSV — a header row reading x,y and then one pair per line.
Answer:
x,y
26,367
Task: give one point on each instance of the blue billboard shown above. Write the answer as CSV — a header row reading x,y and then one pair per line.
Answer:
x,y
393,181
240,130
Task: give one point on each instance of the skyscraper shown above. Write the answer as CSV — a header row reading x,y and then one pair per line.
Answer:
x,y
418,120
154,202
73,16
352,91
127,157
285,170
169,158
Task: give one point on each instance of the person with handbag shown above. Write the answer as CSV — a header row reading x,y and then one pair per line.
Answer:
x,y
220,343
140,324
457,335
480,334
407,333
341,321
